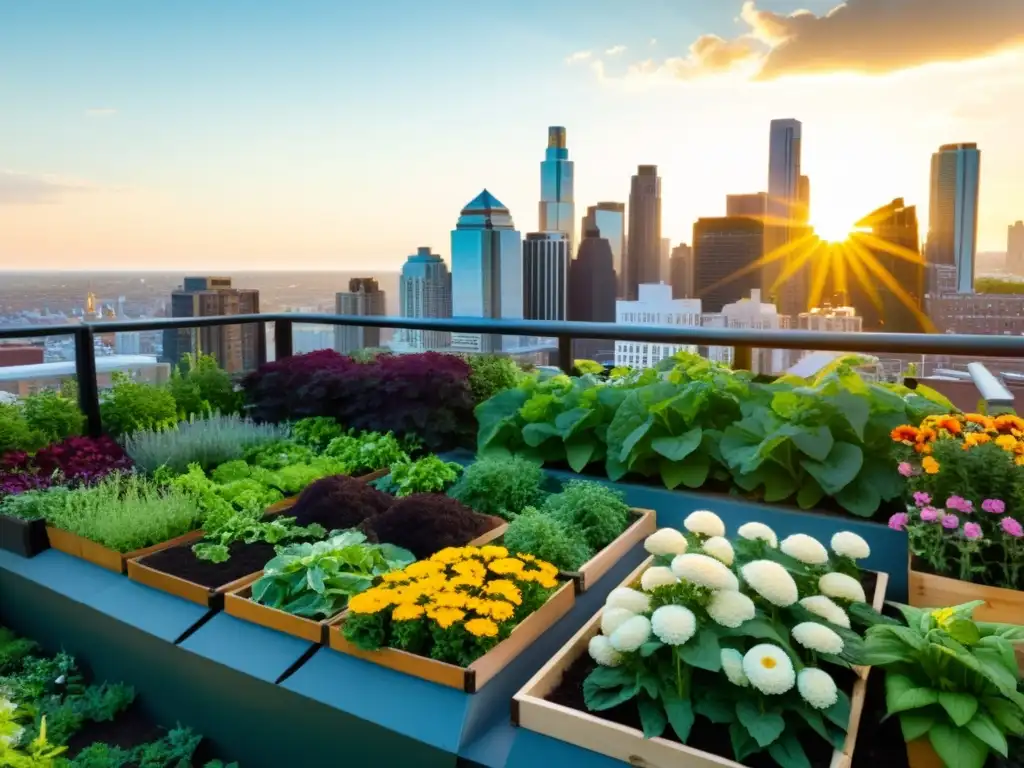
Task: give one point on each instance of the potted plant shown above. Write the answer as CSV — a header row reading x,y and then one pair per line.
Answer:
x,y
952,682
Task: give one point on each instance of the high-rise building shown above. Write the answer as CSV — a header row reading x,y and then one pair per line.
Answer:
x,y
953,215
724,252
425,290
546,276
655,306
783,217
803,196
592,291
754,205
363,299
681,272
487,271
235,347
643,252
664,272
610,221
1015,248
557,205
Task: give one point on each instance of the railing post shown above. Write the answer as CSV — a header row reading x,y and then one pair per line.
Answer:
x,y
282,339
742,358
85,372
565,358
261,343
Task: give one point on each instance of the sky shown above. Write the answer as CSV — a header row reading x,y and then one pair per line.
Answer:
x,y
327,134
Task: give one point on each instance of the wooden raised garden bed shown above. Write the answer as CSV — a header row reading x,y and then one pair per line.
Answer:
x,y
532,710
97,554
23,537
591,571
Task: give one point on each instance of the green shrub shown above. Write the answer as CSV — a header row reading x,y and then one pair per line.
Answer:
x,y
366,452
15,432
500,486
491,374
316,432
200,386
598,512
543,536
30,505
427,475
131,406
53,416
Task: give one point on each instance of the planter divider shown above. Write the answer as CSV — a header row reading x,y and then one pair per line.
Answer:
x,y
591,571
97,554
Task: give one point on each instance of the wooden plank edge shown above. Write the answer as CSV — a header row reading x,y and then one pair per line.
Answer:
x,y
602,562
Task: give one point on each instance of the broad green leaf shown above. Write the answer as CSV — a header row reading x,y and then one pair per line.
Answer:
x,y
1010,632
568,422
678,710
814,442
958,747
610,677
579,452
743,744
599,697
315,579
839,713
814,719
902,694
651,646
678,447
788,753
738,446
910,614
764,727
702,651
649,683
855,410
838,470
963,631
915,724
779,485
691,471
810,493
1009,717
535,434
715,709
960,707
652,717
985,729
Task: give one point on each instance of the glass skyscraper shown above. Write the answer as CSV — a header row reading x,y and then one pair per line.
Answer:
x,y
782,223
557,206
425,290
487,271
953,215
546,276
643,256
610,221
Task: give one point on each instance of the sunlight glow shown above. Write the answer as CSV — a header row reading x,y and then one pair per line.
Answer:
x,y
832,228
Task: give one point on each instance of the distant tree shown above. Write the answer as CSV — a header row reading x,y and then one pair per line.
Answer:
x,y
995,285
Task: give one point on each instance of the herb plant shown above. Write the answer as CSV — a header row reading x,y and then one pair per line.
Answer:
x,y
131,406
200,387
427,475
31,504
597,512
15,432
490,374
500,486
317,432
53,416
541,535
316,580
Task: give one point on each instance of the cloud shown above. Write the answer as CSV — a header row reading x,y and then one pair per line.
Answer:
x,y
100,112
579,56
615,50
35,189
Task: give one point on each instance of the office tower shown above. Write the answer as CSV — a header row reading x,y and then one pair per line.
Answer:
x,y
643,252
664,275
1015,249
782,217
546,276
724,249
681,272
754,205
803,196
953,215
235,347
425,290
592,292
557,206
363,299
487,271
610,221
654,306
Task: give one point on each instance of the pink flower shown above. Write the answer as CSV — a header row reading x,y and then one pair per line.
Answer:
x,y
905,469
959,504
930,514
898,522
922,499
950,522
972,531
995,506
1010,527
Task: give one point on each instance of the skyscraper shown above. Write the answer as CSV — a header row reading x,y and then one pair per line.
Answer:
x,y
557,206
803,196
664,274
754,205
487,270
643,253
1015,248
610,221
235,347
546,276
681,272
425,290
364,298
592,291
722,249
783,216
953,215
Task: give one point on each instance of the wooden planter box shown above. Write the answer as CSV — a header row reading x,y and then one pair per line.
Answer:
x,y
23,537
97,554
532,711
474,677
238,601
285,504
591,571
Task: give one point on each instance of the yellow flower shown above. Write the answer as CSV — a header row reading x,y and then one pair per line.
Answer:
x,y
482,627
407,612
445,617
506,566
468,552
506,589
470,568
449,600
930,465
394,577
1019,461
491,551
548,582
431,584
526,557
943,616
976,438
465,581
367,602
1006,442
423,569
498,610
447,555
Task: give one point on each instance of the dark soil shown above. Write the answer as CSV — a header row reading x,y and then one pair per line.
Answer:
x,y
869,580
128,730
878,744
338,502
425,523
181,562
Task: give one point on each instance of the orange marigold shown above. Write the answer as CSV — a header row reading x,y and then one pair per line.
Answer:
x,y
930,465
951,425
905,433
1007,422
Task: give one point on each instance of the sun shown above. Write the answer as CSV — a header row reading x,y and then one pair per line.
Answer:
x,y
833,228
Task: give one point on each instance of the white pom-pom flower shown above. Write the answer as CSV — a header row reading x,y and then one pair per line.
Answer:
x,y
822,606
601,651
730,609
657,576
771,581
732,665
665,541
704,571
769,669
720,549
630,599
612,618
704,522
804,548
673,624
817,637
817,688
758,531
842,586
631,634
849,544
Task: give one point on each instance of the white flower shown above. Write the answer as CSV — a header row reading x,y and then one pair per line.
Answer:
x,y
612,618
631,634
842,586
848,544
601,651
730,609
804,548
719,548
704,522
665,541
769,669
732,665
771,581
822,606
817,688
704,571
630,599
817,637
760,531
673,624
657,576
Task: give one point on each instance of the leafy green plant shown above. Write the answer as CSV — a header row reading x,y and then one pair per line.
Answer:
x,y
38,753
15,432
53,416
201,387
582,367
500,486
316,580
316,432
132,406
13,650
366,452
30,505
951,680
490,374
67,715
427,475
279,453
599,513
538,534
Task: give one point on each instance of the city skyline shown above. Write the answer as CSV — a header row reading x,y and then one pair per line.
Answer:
x,y
128,143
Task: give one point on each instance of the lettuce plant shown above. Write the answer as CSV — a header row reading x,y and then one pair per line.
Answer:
x,y
427,475
366,452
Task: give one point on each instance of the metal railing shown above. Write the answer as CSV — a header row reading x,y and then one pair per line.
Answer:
x,y
742,340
